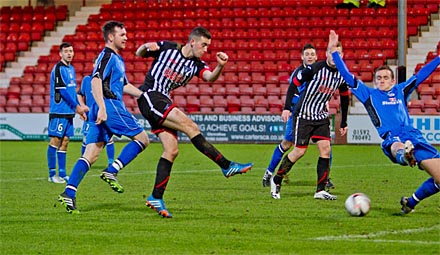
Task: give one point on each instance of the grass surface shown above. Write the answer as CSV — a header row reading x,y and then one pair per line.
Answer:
x,y
212,214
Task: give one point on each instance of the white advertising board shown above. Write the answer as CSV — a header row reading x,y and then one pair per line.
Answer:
x,y
362,131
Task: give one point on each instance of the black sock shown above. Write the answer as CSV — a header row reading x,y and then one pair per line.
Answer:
x,y
322,169
285,167
210,151
162,177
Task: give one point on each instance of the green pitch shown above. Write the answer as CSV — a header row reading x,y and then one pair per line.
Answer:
x,y
212,214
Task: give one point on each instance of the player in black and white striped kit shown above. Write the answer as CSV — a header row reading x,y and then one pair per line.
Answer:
x,y
311,121
174,66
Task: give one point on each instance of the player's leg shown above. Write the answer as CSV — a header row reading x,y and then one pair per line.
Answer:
x,y
85,132
330,184
62,150
322,170
61,156
177,120
51,153
321,135
301,138
403,153
428,159
121,122
110,149
277,155
82,166
279,152
163,173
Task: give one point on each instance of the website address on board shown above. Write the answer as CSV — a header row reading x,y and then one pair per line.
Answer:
x,y
257,137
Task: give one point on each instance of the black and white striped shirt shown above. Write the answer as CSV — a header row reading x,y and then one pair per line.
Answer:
x,y
322,81
170,69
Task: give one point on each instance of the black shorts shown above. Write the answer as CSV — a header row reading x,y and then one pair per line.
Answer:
x,y
155,107
310,129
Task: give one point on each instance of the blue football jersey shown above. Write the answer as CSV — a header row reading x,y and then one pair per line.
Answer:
x,y
62,77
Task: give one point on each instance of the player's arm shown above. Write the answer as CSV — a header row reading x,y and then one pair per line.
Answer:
x,y
99,99
72,102
340,65
344,96
80,95
131,90
304,75
211,76
147,47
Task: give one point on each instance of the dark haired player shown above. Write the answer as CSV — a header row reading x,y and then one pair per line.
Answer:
x,y
311,121
62,107
174,66
108,116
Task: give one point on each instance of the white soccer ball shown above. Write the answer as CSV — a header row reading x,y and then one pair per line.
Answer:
x,y
357,204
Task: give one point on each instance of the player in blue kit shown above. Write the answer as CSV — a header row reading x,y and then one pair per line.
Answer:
x,y
63,105
85,98
174,66
108,116
387,106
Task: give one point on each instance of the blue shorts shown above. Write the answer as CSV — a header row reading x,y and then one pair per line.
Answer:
x,y
119,122
422,149
60,127
288,134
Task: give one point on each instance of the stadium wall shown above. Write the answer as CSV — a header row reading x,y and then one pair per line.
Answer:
x,y
227,128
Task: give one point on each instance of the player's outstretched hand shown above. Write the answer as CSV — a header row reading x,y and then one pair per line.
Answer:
x,y
333,39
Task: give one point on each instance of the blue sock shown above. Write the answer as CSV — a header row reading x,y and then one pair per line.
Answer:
x,y
331,157
80,169
110,148
61,155
83,148
400,158
52,160
427,189
128,153
276,158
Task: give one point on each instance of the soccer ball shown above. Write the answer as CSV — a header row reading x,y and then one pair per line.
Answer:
x,y
357,204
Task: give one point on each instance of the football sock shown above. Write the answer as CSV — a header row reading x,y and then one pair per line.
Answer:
x,y
210,151
80,169
162,177
331,156
83,148
61,155
276,158
128,153
52,160
322,169
110,149
427,189
400,157
285,167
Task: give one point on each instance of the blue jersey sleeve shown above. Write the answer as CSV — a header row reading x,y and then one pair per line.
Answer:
x,y
358,88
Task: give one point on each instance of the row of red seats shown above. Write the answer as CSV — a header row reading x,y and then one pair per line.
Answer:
x,y
20,26
95,41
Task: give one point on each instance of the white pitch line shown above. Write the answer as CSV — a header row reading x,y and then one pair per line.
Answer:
x,y
368,237
391,241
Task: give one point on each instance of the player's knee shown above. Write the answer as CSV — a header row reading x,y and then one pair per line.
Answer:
x,y
191,128
286,145
143,138
171,153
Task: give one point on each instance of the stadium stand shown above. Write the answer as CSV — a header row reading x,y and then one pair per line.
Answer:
x,y
263,39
